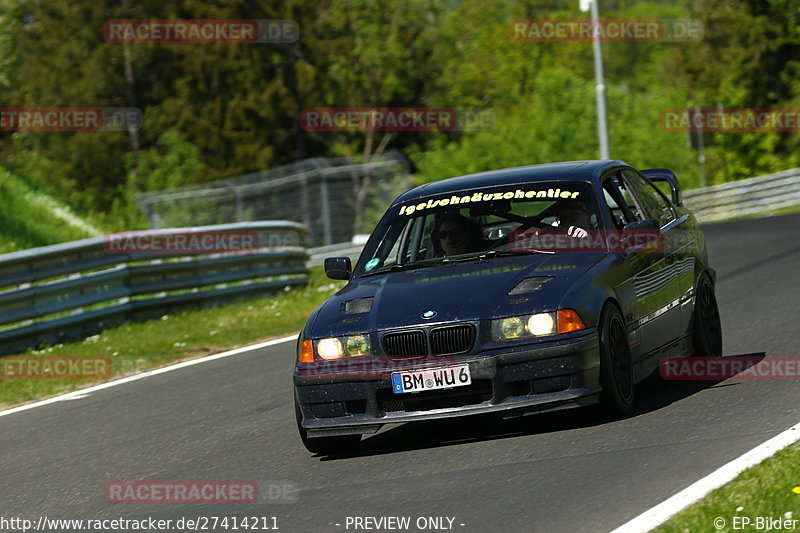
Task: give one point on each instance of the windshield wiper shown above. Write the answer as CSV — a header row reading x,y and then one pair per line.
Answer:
x,y
507,253
489,254
397,267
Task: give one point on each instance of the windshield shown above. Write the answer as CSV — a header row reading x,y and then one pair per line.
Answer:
x,y
465,224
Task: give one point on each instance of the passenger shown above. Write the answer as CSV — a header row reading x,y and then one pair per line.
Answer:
x,y
456,234
574,217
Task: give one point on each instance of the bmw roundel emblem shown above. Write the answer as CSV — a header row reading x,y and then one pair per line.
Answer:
x,y
429,314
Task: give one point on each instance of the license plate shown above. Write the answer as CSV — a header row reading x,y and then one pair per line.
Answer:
x,y
436,378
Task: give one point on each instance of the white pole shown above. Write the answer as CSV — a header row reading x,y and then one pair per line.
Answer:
x,y
600,87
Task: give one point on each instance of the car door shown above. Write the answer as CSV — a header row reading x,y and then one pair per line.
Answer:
x,y
648,270
671,287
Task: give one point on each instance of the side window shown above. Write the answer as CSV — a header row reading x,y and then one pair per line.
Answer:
x,y
620,202
664,188
653,202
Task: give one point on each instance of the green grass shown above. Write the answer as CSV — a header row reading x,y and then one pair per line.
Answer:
x,y
27,218
136,347
765,490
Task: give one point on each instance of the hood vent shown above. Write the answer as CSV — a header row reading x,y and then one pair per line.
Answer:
x,y
361,305
530,285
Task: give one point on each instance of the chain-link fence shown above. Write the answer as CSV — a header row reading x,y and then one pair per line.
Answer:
x,y
334,198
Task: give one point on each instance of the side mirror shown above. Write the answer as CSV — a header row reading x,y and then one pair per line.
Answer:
x,y
667,176
642,236
338,267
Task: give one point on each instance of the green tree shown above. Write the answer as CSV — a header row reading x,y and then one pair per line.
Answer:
x,y
749,58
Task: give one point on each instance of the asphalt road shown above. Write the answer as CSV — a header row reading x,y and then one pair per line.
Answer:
x,y
232,419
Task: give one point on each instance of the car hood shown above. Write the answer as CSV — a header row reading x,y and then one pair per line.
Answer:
x,y
455,292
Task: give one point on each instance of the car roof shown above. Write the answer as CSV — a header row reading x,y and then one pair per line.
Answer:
x,y
567,170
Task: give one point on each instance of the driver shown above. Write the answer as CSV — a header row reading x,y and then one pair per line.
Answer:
x,y
456,234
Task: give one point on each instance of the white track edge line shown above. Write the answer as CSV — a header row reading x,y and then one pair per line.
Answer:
x,y
136,377
665,510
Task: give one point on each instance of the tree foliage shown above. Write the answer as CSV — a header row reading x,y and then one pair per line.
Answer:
x,y
216,110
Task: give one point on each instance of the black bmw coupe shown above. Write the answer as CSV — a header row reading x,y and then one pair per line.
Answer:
x,y
525,289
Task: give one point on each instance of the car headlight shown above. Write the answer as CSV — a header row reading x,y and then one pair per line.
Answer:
x,y
357,345
338,347
541,324
509,328
537,325
330,348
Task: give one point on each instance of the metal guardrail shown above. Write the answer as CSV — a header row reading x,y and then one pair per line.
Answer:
x,y
318,255
75,289
745,197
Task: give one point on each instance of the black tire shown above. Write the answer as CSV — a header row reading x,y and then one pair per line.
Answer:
x,y
616,366
706,324
325,445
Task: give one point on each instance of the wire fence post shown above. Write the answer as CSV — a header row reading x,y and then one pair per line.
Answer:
x,y
326,209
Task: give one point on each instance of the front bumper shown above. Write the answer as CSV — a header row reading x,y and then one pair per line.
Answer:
x,y
532,377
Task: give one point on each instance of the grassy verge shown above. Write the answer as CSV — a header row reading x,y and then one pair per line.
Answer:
x,y
142,346
28,219
765,490
784,211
